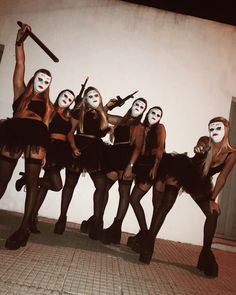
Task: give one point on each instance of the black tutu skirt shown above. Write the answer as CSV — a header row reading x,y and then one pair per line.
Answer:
x,y
142,169
58,154
92,156
17,133
118,156
188,172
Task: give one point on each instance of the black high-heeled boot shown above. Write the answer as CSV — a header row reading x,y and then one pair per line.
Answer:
x,y
131,240
20,182
113,233
86,225
60,225
96,229
33,225
18,239
207,263
146,250
136,247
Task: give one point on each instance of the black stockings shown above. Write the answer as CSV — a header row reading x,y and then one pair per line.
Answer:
x,y
161,211
210,223
124,192
68,190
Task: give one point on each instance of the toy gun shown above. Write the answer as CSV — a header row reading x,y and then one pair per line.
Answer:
x,y
79,99
36,39
120,101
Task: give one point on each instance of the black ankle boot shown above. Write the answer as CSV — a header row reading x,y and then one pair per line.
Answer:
x,y
18,239
33,225
131,240
60,225
113,233
20,182
136,247
86,225
146,250
207,263
96,229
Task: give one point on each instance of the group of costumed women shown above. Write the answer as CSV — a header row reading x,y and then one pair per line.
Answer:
x,y
55,136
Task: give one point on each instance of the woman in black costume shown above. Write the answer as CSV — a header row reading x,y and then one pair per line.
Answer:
x,y
214,154
26,133
128,141
90,124
58,152
146,169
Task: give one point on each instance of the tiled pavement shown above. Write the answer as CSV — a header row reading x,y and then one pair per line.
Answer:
x,y
74,264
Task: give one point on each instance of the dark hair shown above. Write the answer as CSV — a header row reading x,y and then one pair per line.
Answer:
x,y
145,122
56,101
127,116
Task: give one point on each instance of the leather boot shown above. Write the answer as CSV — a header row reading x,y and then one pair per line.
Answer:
x,y
60,225
113,233
86,225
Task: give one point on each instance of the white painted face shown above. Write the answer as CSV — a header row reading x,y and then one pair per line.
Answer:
x,y
41,82
154,116
216,131
93,99
138,108
65,99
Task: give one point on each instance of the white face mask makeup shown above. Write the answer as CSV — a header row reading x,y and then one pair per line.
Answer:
x,y
65,99
216,131
93,99
154,116
138,108
41,82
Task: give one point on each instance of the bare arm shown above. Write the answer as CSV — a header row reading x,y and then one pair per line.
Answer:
x,y
113,119
222,177
71,137
202,145
19,71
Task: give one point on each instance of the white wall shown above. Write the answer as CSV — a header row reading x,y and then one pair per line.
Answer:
x,y
184,64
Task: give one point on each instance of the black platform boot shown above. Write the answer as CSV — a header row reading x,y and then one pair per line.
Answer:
x,y
146,250
18,239
207,263
132,240
95,230
60,225
113,233
20,182
136,247
86,225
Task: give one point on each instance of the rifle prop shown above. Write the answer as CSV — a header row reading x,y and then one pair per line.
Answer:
x,y
79,98
121,101
36,39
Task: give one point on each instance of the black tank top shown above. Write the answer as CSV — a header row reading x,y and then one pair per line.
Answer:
x,y
59,125
217,169
91,123
36,106
122,134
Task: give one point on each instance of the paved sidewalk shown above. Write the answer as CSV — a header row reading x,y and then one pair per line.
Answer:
x,y
74,264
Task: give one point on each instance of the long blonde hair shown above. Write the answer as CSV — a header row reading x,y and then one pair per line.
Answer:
x,y
84,108
225,145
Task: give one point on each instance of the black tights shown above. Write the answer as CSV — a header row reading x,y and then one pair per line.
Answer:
x,y
161,211
124,192
135,198
7,166
50,181
210,222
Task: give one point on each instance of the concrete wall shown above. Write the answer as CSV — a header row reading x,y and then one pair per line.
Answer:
x,y
184,64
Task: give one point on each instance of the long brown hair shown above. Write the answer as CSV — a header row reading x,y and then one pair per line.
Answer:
x,y
225,145
29,91
84,108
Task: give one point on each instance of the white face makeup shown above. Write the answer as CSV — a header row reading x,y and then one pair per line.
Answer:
x,y
138,108
216,131
93,99
154,116
41,82
65,99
